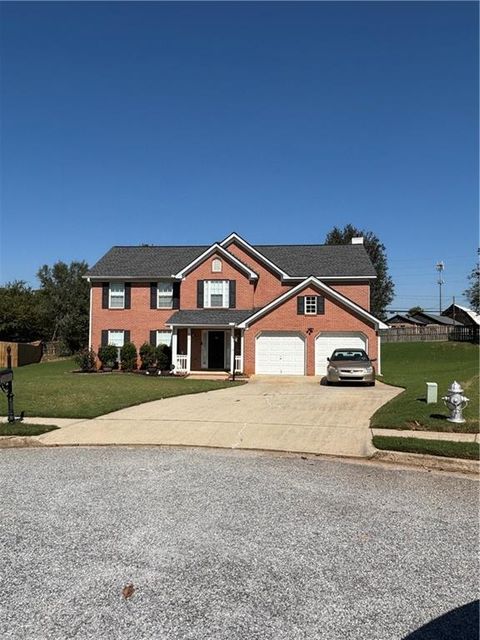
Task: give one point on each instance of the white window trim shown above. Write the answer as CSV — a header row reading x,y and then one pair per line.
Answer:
x,y
116,295
207,294
163,294
111,342
315,305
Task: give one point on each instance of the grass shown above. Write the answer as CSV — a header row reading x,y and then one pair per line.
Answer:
x,y
21,429
50,389
444,448
411,365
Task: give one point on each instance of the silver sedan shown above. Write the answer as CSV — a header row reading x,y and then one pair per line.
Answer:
x,y
350,365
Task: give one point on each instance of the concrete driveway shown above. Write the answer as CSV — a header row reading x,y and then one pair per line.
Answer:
x,y
272,413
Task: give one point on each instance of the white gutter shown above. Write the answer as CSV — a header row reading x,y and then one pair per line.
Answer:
x,y
90,316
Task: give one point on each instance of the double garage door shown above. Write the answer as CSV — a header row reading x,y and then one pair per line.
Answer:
x,y
284,353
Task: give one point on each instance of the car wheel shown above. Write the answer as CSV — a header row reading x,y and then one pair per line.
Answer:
x,y
371,384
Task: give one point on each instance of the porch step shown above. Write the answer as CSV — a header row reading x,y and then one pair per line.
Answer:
x,y
208,375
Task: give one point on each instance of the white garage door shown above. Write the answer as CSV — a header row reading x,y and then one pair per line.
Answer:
x,y
326,343
280,353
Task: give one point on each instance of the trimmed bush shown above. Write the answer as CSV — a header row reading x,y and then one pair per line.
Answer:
x,y
86,360
128,356
108,354
163,356
147,355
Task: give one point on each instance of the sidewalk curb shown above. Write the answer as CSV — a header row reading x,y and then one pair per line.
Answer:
x,y
437,463
20,442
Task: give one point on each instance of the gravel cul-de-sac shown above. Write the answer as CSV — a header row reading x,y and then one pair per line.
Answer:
x,y
229,545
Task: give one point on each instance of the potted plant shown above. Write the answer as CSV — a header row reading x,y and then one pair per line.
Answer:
x,y
108,354
87,360
128,357
147,358
164,358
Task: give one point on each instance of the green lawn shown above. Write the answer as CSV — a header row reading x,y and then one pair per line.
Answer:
x,y
411,365
22,429
444,448
50,389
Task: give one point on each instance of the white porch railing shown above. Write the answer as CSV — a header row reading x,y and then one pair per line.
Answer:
x,y
181,364
238,364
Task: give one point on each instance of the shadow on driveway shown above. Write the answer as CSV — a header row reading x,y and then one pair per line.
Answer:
x,y
458,624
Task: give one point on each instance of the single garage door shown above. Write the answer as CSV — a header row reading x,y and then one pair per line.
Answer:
x,y
280,353
326,343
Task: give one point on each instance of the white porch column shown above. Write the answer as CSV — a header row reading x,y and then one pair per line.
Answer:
x,y
232,349
189,349
174,347
242,333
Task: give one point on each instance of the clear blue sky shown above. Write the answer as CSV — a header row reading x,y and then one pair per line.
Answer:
x,y
124,123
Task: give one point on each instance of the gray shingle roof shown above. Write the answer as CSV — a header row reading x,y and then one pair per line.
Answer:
x,y
206,317
320,259
432,318
296,260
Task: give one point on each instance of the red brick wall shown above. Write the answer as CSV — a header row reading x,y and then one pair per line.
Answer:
x,y
269,285
139,319
359,293
244,288
336,318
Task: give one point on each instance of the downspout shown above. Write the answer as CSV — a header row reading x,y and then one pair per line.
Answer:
x,y
90,316
379,356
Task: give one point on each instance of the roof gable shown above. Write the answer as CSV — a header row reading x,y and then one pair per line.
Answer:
x,y
322,287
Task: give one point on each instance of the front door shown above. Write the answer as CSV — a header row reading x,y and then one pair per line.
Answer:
x,y
216,350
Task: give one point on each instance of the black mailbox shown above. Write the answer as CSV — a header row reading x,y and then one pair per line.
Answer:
x,y
6,375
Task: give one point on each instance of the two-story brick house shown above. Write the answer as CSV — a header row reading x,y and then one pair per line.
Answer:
x,y
274,309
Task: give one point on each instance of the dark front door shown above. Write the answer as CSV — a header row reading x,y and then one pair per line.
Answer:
x,y
216,350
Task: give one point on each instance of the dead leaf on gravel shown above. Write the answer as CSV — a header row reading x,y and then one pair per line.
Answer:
x,y
128,591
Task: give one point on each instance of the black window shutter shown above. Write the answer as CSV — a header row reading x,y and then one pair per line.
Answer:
x,y
153,295
105,288
320,305
232,290
128,295
300,305
104,337
126,337
199,294
176,296
153,338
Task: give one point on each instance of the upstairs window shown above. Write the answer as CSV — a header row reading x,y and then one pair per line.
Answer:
x,y
216,266
311,305
215,293
116,295
165,295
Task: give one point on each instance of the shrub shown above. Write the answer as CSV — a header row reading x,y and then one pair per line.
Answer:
x,y
108,354
86,360
164,356
128,356
147,355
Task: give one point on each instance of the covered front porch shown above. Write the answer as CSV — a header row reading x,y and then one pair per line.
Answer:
x,y
203,349
208,340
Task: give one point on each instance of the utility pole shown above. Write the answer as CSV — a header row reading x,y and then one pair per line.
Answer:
x,y
440,266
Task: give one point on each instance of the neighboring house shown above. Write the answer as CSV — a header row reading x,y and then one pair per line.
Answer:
x,y
430,319
464,315
273,309
404,320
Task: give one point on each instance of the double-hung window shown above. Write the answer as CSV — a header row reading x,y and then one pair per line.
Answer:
x,y
116,295
215,293
165,295
116,338
311,305
164,337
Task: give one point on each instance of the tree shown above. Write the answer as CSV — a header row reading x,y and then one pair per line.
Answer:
x,y
64,303
414,310
382,289
472,294
19,320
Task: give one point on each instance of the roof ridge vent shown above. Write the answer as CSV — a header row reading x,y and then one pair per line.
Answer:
x,y
357,240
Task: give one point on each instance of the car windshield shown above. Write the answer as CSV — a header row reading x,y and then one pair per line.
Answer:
x,y
349,354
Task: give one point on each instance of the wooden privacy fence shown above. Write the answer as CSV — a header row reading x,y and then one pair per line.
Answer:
x,y
22,353
429,334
